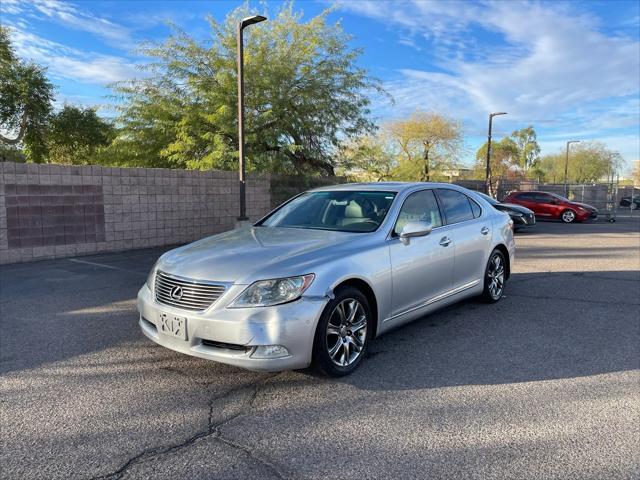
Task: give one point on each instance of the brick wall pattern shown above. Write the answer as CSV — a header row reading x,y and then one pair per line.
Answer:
x,y
57,211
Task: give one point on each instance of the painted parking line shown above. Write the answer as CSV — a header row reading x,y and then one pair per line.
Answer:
x,y
110,267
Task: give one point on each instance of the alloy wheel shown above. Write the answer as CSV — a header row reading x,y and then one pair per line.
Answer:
x,y
568,216
346,332
495,276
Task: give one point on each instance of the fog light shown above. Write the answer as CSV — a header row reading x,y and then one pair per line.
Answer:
x,y
270,351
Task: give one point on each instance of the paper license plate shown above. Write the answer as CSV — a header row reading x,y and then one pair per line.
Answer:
x,y
172,325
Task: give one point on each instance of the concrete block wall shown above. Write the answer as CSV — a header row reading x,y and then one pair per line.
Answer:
x,y
54,211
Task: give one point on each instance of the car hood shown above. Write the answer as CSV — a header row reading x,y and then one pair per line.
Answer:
x,y
245,255
516,208
586,205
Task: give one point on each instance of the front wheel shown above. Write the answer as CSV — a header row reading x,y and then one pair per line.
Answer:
x,y
494,277
568,216
343,332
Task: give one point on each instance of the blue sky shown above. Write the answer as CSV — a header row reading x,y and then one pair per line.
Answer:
x,y
570,69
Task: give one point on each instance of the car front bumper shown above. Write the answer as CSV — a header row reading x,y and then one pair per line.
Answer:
x,y
582,216
232,335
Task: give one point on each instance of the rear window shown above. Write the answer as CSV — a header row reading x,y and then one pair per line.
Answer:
x,y
475,208
525,196
455,205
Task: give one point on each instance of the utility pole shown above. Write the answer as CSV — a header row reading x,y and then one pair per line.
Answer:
x,y
566,168
240,54
488,172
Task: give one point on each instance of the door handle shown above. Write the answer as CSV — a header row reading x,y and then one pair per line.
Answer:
x,y
484,230
445,241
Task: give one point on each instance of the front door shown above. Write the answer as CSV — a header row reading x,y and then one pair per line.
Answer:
x,y
546,205
422,268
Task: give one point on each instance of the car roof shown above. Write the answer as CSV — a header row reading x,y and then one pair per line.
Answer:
x,y
535,191
380,186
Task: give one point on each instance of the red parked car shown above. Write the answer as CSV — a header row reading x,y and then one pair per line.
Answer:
x,y
551,205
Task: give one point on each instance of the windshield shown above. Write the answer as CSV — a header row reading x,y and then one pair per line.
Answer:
x,y
341,210
558,196
492,201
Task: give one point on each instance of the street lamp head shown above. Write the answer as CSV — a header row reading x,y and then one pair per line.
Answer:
x,y
497,113
251,20
573,141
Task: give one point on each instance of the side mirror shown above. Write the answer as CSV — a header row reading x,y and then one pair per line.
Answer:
x,y
414,229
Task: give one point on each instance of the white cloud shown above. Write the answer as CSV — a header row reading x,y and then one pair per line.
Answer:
x,y
541,62
70,63
69,15
11,7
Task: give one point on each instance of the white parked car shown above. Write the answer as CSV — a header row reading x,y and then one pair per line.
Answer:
x,y
317,279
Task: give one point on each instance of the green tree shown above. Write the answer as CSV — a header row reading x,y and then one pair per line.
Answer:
x,y
367,158
528,149
75,135
304,94
550,168
25,102
504,155
428,144
635,173
588,162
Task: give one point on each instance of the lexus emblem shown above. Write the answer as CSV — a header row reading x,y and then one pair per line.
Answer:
x,y
176,293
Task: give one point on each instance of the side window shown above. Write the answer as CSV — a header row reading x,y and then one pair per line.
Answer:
x,y
527,197
475,208
419,207
543,198
455,206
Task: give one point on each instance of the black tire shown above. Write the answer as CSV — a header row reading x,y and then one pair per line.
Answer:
x,y
568,216
322,359
490,295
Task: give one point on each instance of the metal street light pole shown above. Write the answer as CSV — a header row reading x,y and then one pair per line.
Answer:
x,y
488,172
566,168
245,22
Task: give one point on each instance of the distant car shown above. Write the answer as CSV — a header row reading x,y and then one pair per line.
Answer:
x,y
522,217
633,203
552,205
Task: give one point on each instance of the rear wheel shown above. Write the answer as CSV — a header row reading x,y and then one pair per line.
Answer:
x,y
495,277
568,216
343,332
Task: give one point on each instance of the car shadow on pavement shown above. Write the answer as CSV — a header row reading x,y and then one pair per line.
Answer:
x,y
548,326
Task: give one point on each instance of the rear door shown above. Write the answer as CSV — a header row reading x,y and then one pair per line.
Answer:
x,y
526,199
470,233
546,205
423,267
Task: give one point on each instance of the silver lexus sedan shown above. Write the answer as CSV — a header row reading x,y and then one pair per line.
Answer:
x,y
318,278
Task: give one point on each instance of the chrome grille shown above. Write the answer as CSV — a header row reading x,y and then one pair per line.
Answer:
x,y
195,295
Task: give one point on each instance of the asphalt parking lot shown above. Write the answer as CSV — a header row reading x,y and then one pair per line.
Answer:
x,y
545,384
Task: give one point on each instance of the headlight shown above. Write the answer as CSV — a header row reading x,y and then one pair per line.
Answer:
x,y
265,293
151,278
516,214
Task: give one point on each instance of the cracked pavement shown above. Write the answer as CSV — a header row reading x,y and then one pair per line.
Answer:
x,y
545,384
